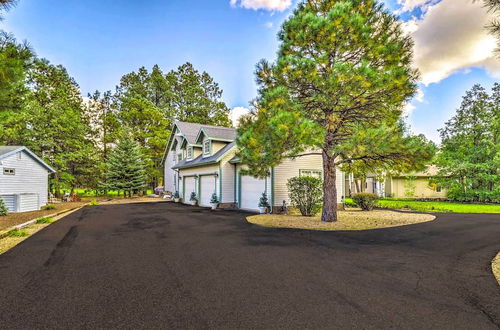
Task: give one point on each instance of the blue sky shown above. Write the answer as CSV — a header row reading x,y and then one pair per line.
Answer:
x,y
100,40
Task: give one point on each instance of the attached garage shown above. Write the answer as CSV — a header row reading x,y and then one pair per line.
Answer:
x,y
189,187
208,186
250,191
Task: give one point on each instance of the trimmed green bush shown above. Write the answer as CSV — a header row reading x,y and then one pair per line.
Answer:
x,y
49,207
366,201
263,202
306,194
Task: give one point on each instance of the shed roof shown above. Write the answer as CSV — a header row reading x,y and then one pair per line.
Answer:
x,y
6,151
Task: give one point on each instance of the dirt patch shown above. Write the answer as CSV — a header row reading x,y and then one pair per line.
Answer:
x,y
354,219
495,265
13,219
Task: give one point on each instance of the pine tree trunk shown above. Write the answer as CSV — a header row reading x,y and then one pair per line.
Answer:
x,y
329,189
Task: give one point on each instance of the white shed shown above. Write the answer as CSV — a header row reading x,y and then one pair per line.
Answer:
x,y
23,179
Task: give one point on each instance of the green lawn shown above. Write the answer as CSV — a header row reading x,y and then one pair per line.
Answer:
x,y
409,204
91,193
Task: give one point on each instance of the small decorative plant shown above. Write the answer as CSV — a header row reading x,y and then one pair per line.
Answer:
x,y
214,201
48,207
263,203
366,201
176,196
3,208
94,202
193,199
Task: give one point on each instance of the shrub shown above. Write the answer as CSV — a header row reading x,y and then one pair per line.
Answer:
x,y
93,202
263,202
193,197
176,194
44,220
17,233
49,207
305,194
3,208
214,199
366,201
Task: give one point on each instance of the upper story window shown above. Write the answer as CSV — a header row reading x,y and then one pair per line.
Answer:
x,y
179,157
9,171
206,147
189,152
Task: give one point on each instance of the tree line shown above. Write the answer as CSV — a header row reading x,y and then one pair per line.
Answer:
x,y
41,107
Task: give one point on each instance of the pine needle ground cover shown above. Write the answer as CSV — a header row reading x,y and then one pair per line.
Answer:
x,y
495,265
354,219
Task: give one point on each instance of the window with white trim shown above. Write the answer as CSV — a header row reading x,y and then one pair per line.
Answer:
x,y
179,158
314,173
190,153
9,171
206,147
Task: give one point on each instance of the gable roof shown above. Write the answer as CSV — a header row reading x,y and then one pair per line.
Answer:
x,y
6,151
200,160
190,132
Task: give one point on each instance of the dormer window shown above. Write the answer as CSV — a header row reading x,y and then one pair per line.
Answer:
x,y
190,152
179,158
206,148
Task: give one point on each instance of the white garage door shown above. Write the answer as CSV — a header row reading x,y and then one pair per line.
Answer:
x,y
10,202
189,187
29,202
251,191
208,187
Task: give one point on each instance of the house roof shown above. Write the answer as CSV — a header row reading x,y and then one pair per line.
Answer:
x,y
190,132
200,160
6,151
430,171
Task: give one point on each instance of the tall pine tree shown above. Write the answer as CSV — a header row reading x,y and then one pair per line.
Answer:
x,y
125,168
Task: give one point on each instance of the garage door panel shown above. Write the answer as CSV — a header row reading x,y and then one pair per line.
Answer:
x,y
10,202
251,191
189,187
207,188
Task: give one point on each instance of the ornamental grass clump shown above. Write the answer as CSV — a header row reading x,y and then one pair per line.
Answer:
x,y
366,201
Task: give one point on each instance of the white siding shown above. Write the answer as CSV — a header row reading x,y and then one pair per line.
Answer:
x,y
170,175
291,167
30,178
228,179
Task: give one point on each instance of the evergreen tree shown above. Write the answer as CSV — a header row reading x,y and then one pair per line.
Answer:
x,y
3,208
340,82
125,168
470,147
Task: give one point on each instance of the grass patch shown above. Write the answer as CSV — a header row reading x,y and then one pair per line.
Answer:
x,y
44,220
448,207
49,207
348,220
495,265
93,202
17,233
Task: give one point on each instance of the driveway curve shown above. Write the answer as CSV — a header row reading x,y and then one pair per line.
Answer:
x,y
165,265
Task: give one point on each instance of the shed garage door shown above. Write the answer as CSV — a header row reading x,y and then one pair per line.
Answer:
x,y
10,201
207,188
250,192
28,202
189,187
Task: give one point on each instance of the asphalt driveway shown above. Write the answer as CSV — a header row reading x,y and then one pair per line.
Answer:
x,y
164,265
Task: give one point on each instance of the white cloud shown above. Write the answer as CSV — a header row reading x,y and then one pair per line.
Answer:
x,y
451,37
279,5
236,113
409,5
269,25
